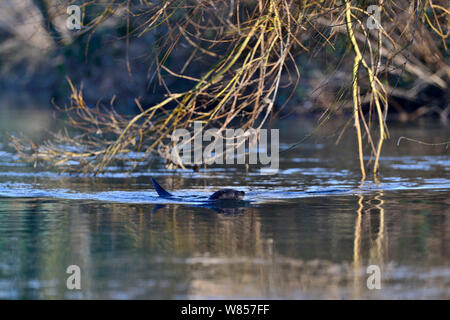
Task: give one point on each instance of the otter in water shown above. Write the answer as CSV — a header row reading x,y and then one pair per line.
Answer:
x,y
222,194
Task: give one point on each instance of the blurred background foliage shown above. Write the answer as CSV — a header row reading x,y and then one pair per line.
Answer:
x,y
216,61
37,51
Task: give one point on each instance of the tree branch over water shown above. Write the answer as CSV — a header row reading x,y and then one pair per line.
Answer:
x,y
224,63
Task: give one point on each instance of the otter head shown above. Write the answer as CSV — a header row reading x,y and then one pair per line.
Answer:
x,y
227,194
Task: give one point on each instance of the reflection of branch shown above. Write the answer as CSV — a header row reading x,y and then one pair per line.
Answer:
x,y
357,246
381,231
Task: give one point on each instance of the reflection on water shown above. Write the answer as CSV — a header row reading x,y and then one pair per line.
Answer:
x,y
310,231
299,249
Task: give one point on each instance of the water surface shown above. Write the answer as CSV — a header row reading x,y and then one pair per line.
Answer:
x,y
309,231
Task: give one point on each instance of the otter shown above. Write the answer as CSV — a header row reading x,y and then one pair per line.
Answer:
x,y
222,194
227,194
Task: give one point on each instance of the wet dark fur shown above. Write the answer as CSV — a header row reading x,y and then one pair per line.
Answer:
x,y
227,194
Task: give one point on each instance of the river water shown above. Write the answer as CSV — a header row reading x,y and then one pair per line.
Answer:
x,y
310,231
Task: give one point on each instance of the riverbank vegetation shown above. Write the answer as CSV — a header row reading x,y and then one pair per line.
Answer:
x,y
138,70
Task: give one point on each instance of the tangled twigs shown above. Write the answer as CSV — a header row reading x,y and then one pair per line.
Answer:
x,y
242,85
232,58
